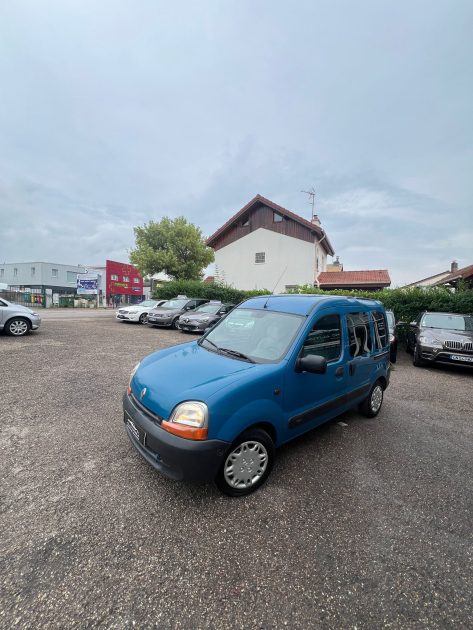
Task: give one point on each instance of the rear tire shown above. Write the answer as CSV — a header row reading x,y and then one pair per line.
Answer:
x,y
17,327
247,463
371,405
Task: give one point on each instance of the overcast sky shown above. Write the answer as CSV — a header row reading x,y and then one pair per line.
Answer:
x,y
113,113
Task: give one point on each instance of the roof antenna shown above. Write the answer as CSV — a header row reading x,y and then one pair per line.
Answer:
x,y
311,194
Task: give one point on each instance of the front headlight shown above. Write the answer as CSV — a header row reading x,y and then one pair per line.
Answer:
x,y
192,414
205,319
430,341
133,372
132,312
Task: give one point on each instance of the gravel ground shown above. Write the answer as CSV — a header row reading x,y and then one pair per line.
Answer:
x,y
366,525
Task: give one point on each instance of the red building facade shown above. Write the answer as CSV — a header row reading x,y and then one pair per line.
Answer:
x,y
124,284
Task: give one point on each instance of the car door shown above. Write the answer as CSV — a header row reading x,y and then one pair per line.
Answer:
x,y
361,365
310,399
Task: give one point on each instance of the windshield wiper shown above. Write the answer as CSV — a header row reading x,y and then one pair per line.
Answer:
x,y
235,353
201,341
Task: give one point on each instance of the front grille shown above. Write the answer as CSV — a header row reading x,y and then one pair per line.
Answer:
x,y
465,346
152,416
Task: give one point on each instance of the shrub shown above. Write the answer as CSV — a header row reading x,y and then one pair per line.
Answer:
x,y
208,290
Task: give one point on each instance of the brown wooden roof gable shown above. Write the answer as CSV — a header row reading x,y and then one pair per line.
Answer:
x,y
258,200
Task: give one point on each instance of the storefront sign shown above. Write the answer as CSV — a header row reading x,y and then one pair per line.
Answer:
x,y
87,284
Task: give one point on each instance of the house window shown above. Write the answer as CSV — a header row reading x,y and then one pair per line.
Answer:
x,y
291,287
2,273
260,257
33,271
136,280
54,273
277,218
246,223
126,279
15,271
114,276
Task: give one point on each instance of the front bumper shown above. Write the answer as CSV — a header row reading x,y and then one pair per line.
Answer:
x,y
127,317
35,323
443,355
197,327
159,321
173,456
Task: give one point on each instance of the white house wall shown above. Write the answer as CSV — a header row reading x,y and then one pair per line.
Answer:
x,y
288,261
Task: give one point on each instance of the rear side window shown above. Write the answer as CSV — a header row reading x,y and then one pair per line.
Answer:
x,y
359,334
325,339
380,330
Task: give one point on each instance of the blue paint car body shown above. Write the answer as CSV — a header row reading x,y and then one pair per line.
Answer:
x,y
274,394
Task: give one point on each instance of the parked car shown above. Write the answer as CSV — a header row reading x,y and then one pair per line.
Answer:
x,y
275,367
392,335
137,312
17,320
168,313
441,338
203,317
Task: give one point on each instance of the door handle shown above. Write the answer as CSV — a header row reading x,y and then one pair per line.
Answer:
x,y
339,371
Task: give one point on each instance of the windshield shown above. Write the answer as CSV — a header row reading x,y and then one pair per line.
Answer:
x,y
257,335
390,318
208,308
147,303
174,304
448,322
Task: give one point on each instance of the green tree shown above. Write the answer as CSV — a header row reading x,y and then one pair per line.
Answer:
x,y
173,246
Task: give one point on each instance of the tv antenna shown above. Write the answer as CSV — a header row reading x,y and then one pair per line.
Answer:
x,y
311,194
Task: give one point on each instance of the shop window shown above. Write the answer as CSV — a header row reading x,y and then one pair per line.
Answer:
x,y
126,279
114,276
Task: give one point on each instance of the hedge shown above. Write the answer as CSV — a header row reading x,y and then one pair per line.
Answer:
x,y
406,303
208,290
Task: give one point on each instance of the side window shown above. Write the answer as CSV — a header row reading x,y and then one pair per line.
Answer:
x,y
380,330
190,305
359,334
325,339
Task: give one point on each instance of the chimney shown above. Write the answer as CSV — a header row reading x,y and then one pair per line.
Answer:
x,y
315,220
454,266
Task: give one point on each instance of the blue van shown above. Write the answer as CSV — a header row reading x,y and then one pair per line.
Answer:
x,y
273,368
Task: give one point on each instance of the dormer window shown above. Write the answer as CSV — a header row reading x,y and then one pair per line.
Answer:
x,y
246,222
277,218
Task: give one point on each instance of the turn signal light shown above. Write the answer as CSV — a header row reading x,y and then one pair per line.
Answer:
x,y
190,433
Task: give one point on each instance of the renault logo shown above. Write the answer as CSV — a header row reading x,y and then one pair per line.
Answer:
x,y
143,393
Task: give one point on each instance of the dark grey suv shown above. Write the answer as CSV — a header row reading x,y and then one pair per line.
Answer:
x,y
203,317
441,338
168,313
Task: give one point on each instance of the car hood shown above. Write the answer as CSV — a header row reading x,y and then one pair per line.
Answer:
x,y
185,372
451,335
165,311
197,316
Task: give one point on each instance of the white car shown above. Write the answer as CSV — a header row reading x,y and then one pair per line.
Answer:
x,y
137,312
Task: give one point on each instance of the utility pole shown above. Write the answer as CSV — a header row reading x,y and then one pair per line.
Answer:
x,y
311,194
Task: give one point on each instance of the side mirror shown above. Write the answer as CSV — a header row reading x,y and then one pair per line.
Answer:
x,y
314,363
412,323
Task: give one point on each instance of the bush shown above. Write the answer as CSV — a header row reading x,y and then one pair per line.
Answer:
x,y
408,303
208,290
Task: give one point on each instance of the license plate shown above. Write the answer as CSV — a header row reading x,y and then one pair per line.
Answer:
x,y
456,357
121,316
136,431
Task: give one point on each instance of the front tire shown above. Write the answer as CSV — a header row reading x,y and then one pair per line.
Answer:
x,y
371,406
143,318
17,327
247,464
417,359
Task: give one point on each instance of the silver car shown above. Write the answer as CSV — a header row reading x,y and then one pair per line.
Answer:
x,y
17,320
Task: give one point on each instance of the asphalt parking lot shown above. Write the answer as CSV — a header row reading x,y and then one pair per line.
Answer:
x,y
366,525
